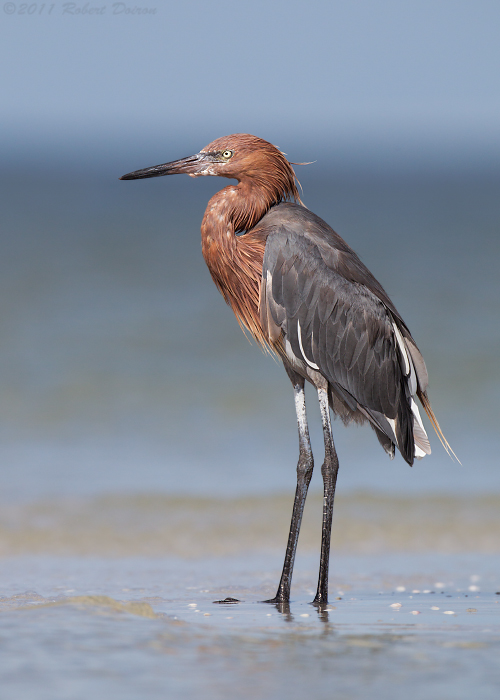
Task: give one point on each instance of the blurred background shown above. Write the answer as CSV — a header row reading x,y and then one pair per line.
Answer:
x,y
121,369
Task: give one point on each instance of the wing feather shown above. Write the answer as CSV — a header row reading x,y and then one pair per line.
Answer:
x,y
338,319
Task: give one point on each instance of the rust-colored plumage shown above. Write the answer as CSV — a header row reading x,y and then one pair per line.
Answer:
x,y
300,290
265,178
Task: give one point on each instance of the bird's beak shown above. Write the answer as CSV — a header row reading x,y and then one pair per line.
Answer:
x,y
192,165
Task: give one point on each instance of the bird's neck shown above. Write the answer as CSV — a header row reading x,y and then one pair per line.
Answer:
x,y
235,262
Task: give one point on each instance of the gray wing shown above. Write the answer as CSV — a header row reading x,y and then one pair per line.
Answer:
x,y
339,321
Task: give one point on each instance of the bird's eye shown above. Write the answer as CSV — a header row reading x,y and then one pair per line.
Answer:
x,y
226,154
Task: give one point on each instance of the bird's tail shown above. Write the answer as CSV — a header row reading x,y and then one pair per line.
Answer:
x,y
424,400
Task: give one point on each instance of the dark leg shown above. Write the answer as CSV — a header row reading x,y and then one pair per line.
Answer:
x,y
304,473
329,471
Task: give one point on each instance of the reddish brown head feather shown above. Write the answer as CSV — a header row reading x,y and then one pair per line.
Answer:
x,y
265,177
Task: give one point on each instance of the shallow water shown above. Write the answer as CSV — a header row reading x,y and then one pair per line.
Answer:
x,y
149,628
114,596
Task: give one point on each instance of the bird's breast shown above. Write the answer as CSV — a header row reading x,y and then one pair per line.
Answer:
x,y
235,264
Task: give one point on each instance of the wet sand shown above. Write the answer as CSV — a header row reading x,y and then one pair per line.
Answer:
x,y
81,619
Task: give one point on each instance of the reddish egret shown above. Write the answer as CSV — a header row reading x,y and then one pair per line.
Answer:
x,y
303,293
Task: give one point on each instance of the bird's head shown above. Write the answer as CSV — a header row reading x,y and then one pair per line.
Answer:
x,y
243,157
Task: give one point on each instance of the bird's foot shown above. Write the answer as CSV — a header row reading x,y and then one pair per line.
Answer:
x,y
277,600
320,601
282,604
228,601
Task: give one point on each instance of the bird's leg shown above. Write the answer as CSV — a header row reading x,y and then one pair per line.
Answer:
x,y
329,471
304,473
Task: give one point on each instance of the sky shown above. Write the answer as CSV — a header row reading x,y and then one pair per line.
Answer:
x,y
390,77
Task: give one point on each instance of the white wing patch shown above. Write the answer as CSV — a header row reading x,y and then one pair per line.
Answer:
x,y
392,423
299,333
422,445
409,369
402,347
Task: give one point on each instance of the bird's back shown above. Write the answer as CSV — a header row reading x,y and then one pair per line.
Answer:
x,y
331,320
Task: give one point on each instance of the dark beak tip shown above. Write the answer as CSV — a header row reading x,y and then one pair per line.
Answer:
x,y
188,166
128,176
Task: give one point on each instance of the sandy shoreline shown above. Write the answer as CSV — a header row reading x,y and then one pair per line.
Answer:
x,y
159,525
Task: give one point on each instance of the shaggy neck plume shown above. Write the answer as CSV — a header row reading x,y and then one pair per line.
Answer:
x,y
235,261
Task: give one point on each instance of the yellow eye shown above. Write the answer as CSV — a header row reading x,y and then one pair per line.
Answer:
x,y
226,154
